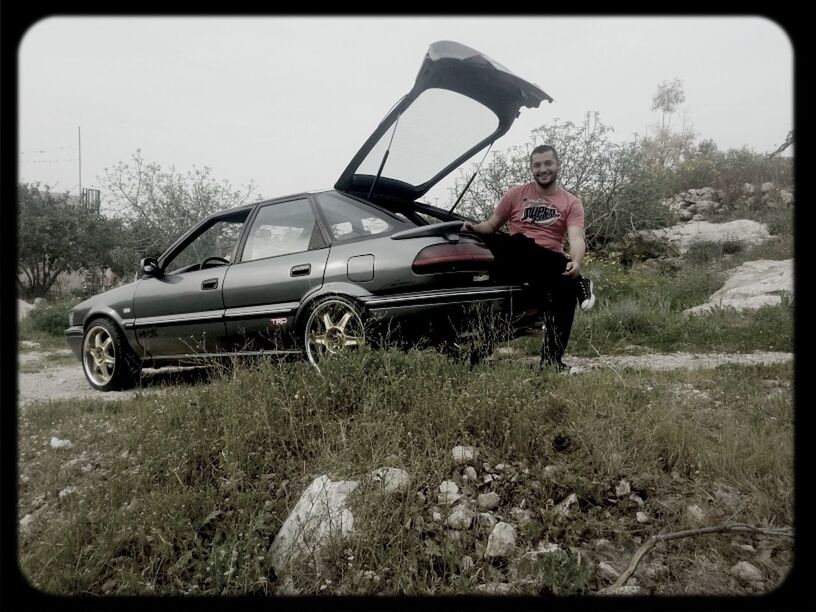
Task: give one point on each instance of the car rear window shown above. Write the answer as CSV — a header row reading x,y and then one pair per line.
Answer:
x,y
348,219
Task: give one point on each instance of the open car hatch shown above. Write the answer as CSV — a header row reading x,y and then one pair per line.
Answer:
x,y
461,102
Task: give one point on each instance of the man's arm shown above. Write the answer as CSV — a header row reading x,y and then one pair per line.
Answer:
x,y
485,227
577,249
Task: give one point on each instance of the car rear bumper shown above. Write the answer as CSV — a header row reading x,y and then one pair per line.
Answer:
x,y
504,300
73,336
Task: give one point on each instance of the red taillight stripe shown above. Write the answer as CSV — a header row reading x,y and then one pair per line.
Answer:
x,y
438,255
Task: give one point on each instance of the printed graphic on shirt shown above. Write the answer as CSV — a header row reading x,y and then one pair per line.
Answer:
x,y
540,212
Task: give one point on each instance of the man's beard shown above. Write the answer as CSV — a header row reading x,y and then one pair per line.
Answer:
x,y
550,181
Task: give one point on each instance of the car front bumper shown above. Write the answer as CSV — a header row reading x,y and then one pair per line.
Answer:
x,y
73,336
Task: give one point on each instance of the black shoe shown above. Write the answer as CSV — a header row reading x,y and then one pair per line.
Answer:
x,y
585,291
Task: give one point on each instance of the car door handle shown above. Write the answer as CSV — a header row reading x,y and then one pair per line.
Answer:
x,y
210,283
301,270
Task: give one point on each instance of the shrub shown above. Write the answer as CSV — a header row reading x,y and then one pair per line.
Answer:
x,y
50,318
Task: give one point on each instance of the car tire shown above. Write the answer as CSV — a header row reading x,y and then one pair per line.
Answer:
x,y
334,325
107,360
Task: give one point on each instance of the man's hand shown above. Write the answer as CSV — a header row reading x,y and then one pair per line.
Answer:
x,y
485,227
572,270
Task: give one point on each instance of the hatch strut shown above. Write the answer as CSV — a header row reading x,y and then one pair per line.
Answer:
x,y
385,157
456,203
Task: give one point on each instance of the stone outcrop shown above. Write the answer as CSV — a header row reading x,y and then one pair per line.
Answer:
x,y
681,237
752,285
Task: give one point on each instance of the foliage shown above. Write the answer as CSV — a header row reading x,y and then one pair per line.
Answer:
x,y
186,490
55,236
610,179
728,171
158,205
50,318
666,147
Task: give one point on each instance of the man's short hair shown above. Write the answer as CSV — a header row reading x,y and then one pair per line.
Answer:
x,y
544,149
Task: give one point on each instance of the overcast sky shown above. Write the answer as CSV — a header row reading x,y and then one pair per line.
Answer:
x,y
286,102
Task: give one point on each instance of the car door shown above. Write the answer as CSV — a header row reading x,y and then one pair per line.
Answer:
x,y
181,311
282,259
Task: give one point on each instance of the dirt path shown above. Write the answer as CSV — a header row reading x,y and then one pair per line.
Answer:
x,y
61,382
666,361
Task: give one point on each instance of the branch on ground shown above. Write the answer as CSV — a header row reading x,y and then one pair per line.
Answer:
x,y
676,535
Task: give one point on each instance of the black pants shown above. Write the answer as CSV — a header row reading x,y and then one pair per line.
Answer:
x,y
520,260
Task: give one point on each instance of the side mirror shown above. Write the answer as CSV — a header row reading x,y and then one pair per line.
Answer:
x,y
150,266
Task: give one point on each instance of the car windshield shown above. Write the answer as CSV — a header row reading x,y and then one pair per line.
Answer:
x,y
438,127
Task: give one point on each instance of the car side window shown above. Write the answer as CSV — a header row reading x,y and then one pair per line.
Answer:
x,y
218,239
281,229
348,220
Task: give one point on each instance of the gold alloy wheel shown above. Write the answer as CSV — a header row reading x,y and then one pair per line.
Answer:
x,y
99,355
333,326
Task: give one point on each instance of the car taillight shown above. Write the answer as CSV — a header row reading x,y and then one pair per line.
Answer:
x,y
452,257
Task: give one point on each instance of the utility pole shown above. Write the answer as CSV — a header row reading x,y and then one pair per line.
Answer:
x,y
79,147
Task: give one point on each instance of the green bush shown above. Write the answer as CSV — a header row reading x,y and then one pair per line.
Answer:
x,y
50,318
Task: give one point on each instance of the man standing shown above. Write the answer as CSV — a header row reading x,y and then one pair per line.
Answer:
x,y
542,215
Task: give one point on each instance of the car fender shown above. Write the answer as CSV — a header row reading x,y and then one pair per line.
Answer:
x,y
350,290
125,325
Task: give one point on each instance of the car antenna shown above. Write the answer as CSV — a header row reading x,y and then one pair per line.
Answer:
x,y
385,157
456,203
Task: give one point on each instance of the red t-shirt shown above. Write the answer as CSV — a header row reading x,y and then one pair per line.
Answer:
x,y
544,218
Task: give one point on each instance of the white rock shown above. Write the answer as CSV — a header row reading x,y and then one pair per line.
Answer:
x,y
563,508
470,474
623,488
642,517
436,516
682,236
461,517
747,572
25,522
486,519
766,187
521,516
695,513
627,589
449,493
502,541
464,454
57,443
608,571
29,344
637,499
392,479
448,486
319,516
488,501
752,285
